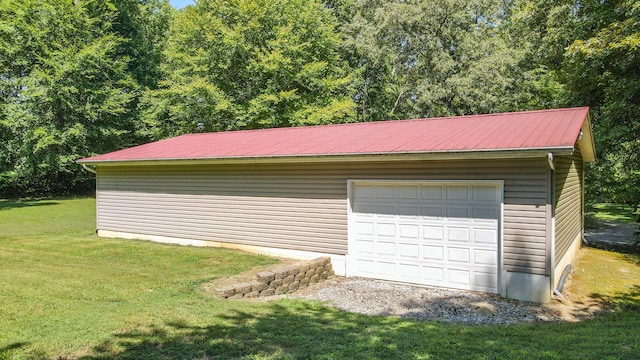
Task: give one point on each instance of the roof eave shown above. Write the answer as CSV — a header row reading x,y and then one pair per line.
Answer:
x,y
434,155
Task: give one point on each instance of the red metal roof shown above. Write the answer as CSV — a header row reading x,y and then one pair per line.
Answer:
x,y
528,130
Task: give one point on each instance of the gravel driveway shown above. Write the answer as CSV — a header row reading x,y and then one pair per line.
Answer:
x,y
374,297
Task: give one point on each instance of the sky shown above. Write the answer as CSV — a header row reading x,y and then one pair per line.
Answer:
x,y
179,4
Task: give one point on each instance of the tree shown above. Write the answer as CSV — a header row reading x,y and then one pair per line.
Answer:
x,y
246,64
143,25
66,92
430,58
603,70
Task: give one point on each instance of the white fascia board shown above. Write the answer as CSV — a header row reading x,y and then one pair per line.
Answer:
x,y
449,155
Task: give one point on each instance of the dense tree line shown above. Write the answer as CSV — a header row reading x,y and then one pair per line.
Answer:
x,y
81,77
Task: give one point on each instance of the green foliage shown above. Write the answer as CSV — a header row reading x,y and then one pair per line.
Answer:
x,y
67,88
250,64
602,70
431,58
81,77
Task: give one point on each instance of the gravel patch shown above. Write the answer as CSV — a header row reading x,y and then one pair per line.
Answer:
x,y
374,297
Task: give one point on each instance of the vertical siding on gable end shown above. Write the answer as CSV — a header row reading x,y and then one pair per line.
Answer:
x,y
303,206
568,200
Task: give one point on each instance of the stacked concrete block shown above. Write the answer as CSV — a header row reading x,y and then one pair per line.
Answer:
x,y
281,280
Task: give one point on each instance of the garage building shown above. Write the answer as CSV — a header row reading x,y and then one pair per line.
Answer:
x,y
490,203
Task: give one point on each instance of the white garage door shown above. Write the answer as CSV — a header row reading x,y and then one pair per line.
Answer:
x,y
432,233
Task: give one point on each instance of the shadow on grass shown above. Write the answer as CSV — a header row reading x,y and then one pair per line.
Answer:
x,y
626,301
293,329
7,350
611,212
15,204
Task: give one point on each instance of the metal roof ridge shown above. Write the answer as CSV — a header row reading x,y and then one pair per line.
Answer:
x,y
365,123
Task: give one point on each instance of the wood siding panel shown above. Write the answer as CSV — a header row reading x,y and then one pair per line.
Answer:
x,y
568,201
303,206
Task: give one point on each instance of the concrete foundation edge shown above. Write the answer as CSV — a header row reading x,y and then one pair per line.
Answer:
x,y
527,287
567,258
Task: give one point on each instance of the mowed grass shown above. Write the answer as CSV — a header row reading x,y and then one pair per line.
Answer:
x,y
67,294
611,212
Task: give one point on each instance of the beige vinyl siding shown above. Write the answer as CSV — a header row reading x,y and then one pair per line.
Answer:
x,y
303,206
568,201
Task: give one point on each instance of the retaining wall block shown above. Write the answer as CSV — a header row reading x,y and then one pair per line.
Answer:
x,y
288,280
280,273
281,280
265,276
293,270
243,288
226,291
268,292
275,283
259,286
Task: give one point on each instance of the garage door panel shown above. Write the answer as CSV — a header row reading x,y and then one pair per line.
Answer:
x,y
384,248
409,192
385,230
459,278
364,192
386,268
409,270
386,211
484,257
432,213
385,192
432,192
485,215
458,213
363,247
458,192
433,275
409,231
485,281
364,210
488,237
486,193
409,251
409,212
433,253
458,255
441,234
456,234
364,267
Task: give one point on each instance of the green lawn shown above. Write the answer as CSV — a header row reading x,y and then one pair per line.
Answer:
x,y
67,294
610,212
